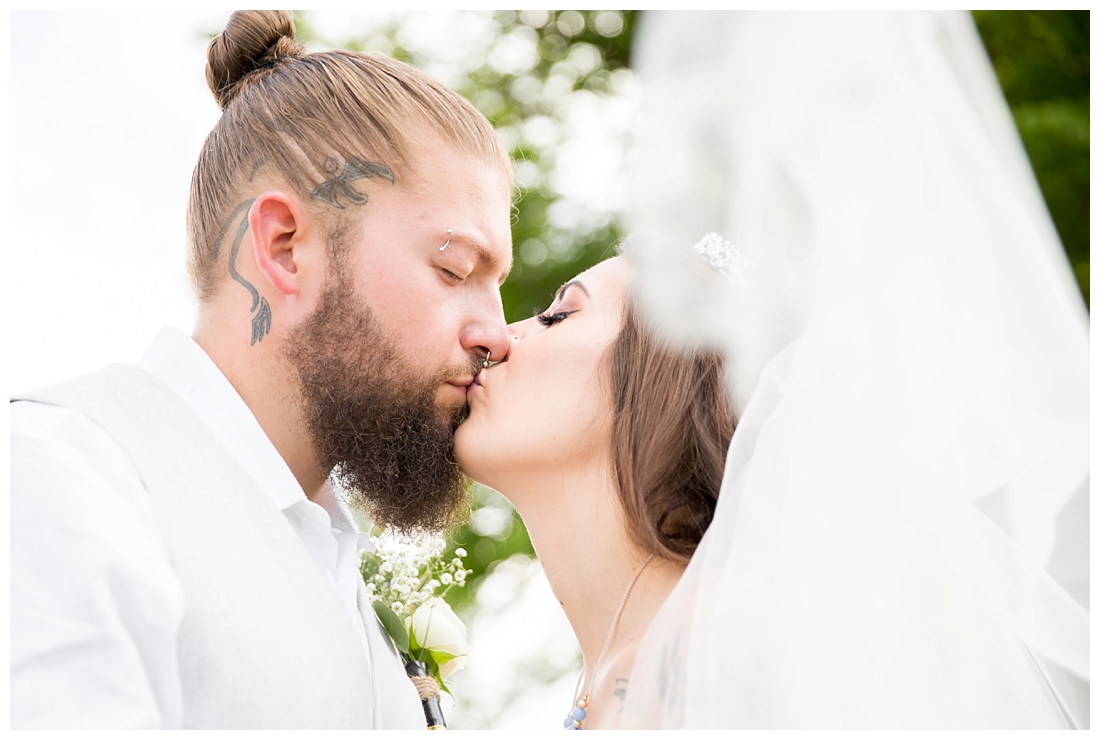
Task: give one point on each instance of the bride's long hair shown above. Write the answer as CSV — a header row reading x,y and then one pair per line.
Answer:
x,y
673,422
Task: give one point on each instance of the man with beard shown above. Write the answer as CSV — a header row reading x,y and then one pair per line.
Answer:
x,y
178,556
373,421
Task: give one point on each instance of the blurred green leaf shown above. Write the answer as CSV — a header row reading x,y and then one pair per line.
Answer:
x,y
1042,61
394,628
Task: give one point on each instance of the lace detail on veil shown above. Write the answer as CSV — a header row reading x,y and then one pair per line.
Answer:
x,y
723,257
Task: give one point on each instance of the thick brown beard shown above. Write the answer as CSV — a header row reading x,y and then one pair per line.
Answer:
x,y
373,421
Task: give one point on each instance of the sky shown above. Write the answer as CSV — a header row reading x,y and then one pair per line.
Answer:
x,y
108,112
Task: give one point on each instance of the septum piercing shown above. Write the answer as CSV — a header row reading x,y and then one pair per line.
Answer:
x,y
448,240
485,362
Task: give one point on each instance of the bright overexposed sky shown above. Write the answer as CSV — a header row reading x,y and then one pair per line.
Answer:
x,y
108,112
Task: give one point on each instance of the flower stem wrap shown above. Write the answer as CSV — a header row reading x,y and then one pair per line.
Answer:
x,y
417,671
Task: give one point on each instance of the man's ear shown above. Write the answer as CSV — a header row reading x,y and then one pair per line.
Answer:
x,y
281,232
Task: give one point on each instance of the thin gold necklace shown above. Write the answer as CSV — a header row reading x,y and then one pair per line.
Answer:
x,y
575,719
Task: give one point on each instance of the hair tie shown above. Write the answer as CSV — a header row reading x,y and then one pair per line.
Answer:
x,y
270,62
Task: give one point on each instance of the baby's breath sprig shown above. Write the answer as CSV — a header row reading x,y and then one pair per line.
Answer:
x,y
403,573
407,579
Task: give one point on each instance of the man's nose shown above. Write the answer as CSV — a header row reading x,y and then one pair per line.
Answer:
x,y
488,339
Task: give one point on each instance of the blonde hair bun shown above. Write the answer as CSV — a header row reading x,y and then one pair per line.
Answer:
x,y
253,40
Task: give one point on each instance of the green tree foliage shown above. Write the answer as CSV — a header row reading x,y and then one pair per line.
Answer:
x,y
1042,62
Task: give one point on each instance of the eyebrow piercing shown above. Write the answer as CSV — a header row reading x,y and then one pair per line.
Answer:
x,y
448,240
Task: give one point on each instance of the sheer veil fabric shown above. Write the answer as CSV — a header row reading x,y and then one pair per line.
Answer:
x,y
902,535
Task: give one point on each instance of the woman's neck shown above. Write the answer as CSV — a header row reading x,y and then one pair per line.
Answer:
x,y
577,529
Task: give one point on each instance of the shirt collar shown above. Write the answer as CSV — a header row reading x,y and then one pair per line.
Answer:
x,y
183,366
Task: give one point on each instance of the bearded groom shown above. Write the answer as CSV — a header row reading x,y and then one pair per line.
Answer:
x,y
178,559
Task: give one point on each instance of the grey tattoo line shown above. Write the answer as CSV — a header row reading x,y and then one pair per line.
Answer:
x,y
620,691
261,322
256,168
339,183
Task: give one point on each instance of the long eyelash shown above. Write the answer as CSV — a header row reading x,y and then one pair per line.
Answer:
x,y
549,319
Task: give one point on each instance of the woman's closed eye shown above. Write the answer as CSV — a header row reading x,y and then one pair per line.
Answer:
x,y
549,319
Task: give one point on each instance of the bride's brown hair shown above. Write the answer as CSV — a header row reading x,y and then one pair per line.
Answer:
x,y
310,119
672,426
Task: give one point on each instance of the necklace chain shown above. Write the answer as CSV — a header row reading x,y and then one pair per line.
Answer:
x,y
578,700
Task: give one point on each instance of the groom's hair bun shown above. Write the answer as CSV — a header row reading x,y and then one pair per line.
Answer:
x,y
253,41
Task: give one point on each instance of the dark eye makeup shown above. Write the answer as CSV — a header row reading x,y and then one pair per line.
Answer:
x,y
549,319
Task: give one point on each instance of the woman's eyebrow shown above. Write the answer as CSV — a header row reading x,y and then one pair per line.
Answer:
x,y
570,284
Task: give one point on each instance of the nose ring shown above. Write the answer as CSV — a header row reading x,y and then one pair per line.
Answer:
x,y
448,240
485,362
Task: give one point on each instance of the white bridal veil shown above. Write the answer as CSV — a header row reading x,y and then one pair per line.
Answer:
x,y
902,536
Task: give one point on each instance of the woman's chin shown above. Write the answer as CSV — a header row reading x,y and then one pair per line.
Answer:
x,y
470,449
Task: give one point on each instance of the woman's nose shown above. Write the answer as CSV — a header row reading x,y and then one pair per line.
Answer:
x,y
519,329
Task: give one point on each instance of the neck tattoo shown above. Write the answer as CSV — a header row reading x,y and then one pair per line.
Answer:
x,y
575,719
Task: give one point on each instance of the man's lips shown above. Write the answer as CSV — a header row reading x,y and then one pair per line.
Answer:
x,y
463,383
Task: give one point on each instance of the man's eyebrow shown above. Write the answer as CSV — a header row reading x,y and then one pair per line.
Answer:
x,y
484,255
571,284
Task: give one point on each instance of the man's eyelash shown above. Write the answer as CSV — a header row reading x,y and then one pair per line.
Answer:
x,y
549,319
456,278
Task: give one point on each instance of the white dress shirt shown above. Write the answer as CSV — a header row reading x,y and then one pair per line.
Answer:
x,y
95,602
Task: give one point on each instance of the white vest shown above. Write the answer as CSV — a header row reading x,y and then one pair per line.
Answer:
x,y
264,642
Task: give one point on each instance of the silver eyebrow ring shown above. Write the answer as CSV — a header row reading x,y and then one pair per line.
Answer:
x,y
448,240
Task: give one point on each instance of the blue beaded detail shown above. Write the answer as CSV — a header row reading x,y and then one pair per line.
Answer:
x,y
575,719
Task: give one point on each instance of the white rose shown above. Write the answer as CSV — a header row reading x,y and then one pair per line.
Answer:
x,y
434,626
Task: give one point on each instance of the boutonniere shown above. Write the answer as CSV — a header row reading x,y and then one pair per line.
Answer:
x,y
407,579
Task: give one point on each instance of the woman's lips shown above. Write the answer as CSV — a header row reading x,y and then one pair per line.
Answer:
x,y
477,384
